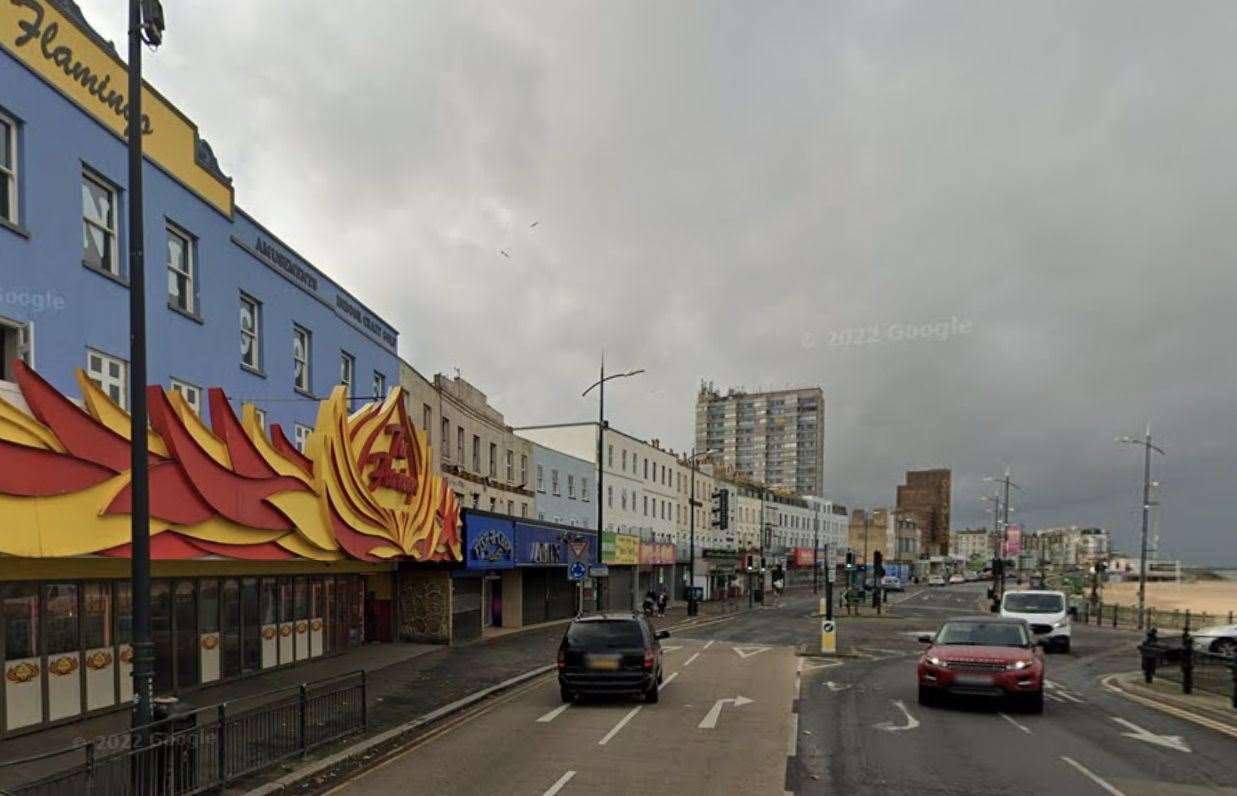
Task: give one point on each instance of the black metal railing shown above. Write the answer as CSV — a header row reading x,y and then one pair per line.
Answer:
x,y
206,748
1127,616
1177,661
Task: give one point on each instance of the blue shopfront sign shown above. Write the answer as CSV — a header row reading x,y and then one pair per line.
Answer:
x,y
489,542
544,546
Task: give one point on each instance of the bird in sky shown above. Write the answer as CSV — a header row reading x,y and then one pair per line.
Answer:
x,y
503,252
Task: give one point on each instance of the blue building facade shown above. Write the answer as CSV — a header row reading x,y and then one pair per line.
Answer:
x,y
566,488
229,304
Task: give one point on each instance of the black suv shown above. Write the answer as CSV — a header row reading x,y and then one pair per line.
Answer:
x,y
610,654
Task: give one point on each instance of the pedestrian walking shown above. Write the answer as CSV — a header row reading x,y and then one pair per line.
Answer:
x,y
662,599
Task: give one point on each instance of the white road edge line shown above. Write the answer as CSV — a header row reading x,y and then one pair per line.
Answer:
x,y
666,682
1016,724
709,644
1086,772
622,723
557,786
694,656
1169,709
792,740
554,714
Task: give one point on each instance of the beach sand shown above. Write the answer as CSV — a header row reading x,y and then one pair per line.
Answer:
x,y
1216,598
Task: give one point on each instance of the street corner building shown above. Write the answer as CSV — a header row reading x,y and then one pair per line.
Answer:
x,y
295,509
268,554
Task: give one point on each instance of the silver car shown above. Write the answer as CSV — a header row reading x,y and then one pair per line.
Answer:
x,y
1219,639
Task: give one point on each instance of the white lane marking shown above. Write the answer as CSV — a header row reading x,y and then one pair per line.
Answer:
x,y
622,723
911,721
1110,683
797,686
557,786
811,667
835,687
694,656
747,652
792,740
1091,776
1053,697
666,648
554,714
666,682
1140,734
709,644
1016,724
1071,697
710,719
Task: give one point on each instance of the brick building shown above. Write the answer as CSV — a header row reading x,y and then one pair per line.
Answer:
x,y
926,496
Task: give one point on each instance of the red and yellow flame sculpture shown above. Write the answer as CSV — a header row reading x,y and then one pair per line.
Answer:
x,y
362,490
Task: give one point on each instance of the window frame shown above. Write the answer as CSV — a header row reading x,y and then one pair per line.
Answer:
x,y
256,334
347,372
180,385
190,273
124,376
299,439
299,331
12,172
113,191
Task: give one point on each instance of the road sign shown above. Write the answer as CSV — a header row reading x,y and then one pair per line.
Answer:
x,y
828,631
709,721
577,571
599,571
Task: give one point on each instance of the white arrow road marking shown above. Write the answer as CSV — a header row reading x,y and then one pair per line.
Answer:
x,y
747,652
557,786
554,714
811,667
911,721
1016,724
1062,692
622,723
710,719
1091,776
1139,734
835,687
1054,697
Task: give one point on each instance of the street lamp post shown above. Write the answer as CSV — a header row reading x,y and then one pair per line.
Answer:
x,y
691,521
145,27
815,550
1004,536
1147,446
601,435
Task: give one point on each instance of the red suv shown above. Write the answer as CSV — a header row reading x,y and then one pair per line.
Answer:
x,y
983,656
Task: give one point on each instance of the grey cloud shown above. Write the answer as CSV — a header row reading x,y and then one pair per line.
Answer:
x,y
719,182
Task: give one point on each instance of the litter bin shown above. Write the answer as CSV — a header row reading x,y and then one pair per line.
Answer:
x,y
174,743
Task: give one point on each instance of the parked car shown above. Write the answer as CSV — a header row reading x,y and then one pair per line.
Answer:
x,y
892,583
610,654
970,577
1046,612
983,656
1219,639
957,579
936,580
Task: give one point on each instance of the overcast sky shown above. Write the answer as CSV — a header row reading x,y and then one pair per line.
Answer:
x,y
770,194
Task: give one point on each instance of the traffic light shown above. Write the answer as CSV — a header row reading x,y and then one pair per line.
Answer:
x,y
878,567
850,559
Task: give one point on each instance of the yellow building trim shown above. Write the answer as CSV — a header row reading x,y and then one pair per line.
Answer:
x,y
101,408
95,79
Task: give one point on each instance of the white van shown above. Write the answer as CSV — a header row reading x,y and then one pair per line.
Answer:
x,y
1047,612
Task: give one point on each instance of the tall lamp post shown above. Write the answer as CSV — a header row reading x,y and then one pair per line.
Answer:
x,y
145,27
1004,538
601,436
691,521
997,552
1147,447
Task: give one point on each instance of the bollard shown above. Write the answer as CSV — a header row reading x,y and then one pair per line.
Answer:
x,y
1234,668
1187,661
1149,656
1114,615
